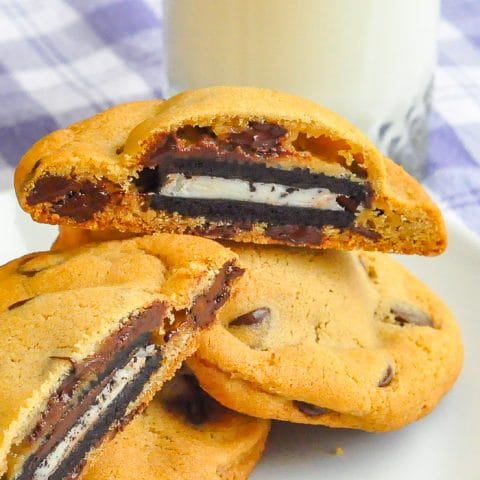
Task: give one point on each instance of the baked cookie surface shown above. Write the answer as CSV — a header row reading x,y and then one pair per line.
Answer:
x,y
183,434
89,335
243,164
332,338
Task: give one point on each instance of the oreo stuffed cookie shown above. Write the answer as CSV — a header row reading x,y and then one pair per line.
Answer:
x,y
89,335
331,338
183,434
238,163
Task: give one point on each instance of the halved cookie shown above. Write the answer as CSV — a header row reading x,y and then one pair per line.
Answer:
x,y
183,434
332,338
89,335
236,163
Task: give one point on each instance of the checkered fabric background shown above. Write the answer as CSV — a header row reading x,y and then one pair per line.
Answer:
x,y
64,60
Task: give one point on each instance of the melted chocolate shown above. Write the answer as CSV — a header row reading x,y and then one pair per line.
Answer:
x,y
257,139
358,170
225,232
79,200
115,416
198,159
80,388
296,234
189,400
122,341
205,306
348,203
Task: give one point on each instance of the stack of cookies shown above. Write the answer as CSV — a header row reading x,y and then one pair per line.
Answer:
x,y
222,262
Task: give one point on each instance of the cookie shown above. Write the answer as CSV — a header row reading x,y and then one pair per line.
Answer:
x,y
89,335
332,338
236,163
71,237
183,434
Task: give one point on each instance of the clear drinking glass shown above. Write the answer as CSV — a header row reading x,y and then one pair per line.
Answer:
x,y
370,60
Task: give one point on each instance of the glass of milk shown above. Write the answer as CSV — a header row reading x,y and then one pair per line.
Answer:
x,y
371,61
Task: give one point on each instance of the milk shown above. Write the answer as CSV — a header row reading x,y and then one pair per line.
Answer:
x,y
369,60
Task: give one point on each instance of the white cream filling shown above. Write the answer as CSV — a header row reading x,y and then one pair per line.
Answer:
x,y
216,188
106,397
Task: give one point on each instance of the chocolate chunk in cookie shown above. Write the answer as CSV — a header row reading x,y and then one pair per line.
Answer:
x,y
411,315
251,318
387,377
309,409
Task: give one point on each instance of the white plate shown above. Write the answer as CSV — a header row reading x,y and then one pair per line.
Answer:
x,y
443,446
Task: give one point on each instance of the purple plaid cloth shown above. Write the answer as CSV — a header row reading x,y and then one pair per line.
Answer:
x,y
61,61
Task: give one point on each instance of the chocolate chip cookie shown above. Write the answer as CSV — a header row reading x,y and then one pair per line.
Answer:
x,y
183,434
243,164
333,338
89,335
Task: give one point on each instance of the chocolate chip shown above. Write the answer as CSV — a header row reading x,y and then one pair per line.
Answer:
x,y
387,377
260,138
15,305
358,170
195,134
296,234
348,203
252,318
35,166
79,200
196,412
220,231
206,305
27,269
22,270
169,335
226,231
366,232
309,409
147,180
184,396
119,150
413,316
29,273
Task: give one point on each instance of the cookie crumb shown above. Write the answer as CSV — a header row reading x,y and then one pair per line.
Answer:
x,y
339,452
